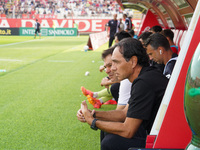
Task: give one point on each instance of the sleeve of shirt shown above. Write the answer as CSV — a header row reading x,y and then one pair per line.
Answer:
x,y
124,92
108,24
127,22
169,68
141,101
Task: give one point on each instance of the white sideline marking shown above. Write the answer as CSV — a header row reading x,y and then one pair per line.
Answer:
x,y
21,42
62,61
76,47
10,60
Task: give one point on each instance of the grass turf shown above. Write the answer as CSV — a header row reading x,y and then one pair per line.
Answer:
x,y
40,92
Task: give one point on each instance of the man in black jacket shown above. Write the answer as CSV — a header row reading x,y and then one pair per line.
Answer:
x,y
130,126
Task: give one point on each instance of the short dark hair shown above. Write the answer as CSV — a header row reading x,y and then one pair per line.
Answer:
x,y
144,36
107,52
168,33
156,28
122,34
156,40
132,47
125,15
131,32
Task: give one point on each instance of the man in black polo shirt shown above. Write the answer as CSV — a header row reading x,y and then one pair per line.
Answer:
x,y
130,126
113,25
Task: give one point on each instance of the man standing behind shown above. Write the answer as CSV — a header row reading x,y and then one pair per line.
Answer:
x,y
128,23
130,126
37,29
169,34
113,25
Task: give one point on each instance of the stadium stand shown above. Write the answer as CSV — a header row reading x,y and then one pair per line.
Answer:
x,y
58,8
62,9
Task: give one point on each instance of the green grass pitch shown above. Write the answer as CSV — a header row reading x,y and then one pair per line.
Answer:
x,y
40,93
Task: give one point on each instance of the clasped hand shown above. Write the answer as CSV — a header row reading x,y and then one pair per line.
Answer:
x,y
84,114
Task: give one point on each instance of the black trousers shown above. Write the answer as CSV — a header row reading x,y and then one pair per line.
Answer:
x,y
111,39
115,90
116,142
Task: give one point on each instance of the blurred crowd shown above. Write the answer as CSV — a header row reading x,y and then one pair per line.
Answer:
x,y
60,8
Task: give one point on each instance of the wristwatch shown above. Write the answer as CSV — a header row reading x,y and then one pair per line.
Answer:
x,y
93,125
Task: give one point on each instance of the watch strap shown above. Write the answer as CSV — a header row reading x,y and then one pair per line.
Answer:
x,y
93,125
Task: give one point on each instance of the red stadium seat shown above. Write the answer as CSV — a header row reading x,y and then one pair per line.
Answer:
x,y
179,37
182,39
176,35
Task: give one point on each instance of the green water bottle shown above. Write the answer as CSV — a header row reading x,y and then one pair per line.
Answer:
x,y
192,100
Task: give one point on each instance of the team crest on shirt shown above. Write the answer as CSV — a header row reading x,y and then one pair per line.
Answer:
x,y
168,76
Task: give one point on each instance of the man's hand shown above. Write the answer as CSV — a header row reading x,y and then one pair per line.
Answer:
x,y
87,113
105,82
101,68
108,35
80,116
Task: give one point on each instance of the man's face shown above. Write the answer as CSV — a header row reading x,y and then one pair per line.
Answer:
x,y
154,54
121,68
108,65
115,16
124,16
